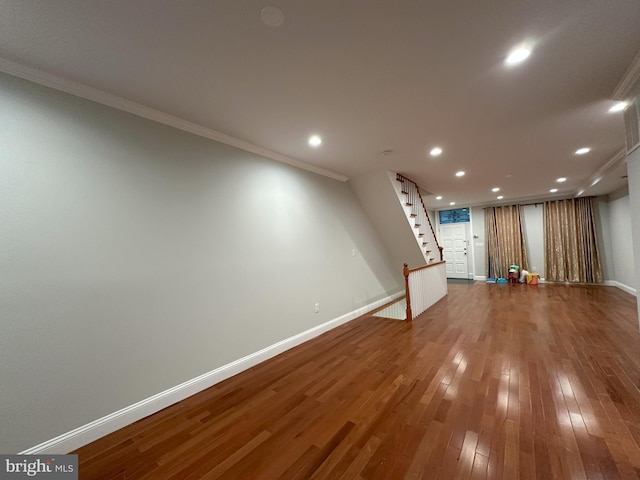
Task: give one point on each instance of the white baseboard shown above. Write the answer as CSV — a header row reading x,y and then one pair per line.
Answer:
x,y
483,278
622,286
85,434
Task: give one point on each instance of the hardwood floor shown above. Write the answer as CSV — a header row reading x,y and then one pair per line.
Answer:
x,y
493,382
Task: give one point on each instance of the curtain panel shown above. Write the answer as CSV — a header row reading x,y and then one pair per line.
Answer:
x,y
505,240
571,249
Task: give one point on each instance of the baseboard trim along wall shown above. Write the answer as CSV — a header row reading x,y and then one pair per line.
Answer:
x,y
610,283
484,278
622,286
90,432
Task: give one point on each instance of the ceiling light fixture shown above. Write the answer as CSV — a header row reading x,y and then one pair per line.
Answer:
x,y
435,151
495,189
499,197
561,179
553,190
315,140
272,16
439,197
583,150
518,55
452,203
460,174
618,107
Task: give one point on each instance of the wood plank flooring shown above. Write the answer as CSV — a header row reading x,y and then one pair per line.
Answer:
x,y
493,382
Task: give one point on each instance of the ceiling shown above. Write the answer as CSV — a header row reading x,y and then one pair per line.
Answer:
x,y
368,76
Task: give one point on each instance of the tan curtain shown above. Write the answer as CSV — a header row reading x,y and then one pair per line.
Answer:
x,y
505,240
571,249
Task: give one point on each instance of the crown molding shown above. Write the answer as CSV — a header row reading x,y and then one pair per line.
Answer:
x,y
618,158
629,84
114,101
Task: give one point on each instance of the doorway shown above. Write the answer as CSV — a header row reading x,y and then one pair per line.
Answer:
x,y
455,249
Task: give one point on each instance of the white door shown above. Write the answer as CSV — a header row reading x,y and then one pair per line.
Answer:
x,y
454,241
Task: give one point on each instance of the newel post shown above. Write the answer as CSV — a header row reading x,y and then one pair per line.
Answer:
x,y
441,254
405,270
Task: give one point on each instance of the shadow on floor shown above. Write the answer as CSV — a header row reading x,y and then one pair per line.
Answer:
x,y
460,281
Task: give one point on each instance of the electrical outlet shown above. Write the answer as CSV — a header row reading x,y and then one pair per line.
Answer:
x,y
316,308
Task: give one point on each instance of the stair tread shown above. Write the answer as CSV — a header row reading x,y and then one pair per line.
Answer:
x,y
420,216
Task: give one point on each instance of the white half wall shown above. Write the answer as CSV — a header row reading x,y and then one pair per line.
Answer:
x,y
136,257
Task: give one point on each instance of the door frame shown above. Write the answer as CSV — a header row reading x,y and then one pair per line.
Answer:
x,y
468,232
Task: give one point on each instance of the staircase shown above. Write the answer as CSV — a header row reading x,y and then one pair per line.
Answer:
x,y
416,212
396,208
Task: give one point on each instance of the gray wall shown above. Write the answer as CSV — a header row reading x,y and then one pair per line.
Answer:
x,y
605,240
135,257
620,262
633,171
534,235
478,242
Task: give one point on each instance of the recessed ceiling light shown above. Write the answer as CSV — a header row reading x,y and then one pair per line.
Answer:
x,y
495,189
272,16
452,203
583,150
618,107
553,190
460,174
315,140
439,197
435,151
518,55
499,197
561,179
